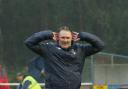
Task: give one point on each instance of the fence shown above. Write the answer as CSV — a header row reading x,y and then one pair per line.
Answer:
x,y
14,85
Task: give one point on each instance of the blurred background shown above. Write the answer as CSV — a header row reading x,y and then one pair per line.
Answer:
x,y
107,19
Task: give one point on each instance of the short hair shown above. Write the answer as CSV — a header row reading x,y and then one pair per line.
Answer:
x,y
65,28
20,74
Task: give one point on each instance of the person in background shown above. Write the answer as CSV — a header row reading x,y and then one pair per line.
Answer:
x,y
27,82
3,78
35,68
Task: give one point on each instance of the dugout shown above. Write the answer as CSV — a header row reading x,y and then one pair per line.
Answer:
x,y
110,69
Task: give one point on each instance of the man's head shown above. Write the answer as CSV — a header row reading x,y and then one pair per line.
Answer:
x,y
20,77
65,37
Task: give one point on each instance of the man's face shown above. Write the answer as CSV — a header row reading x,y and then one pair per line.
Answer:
x,y
65,39
19,78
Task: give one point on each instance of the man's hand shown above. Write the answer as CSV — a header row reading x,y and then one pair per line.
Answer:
x,y
43,73
75,36
55,36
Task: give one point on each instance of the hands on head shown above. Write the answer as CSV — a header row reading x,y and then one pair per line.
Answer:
x,y
75,36
55,36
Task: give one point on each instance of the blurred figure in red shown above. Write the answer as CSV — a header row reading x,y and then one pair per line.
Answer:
x,y
3,78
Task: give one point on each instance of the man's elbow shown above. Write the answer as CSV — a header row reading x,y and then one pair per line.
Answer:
x,y
28,43
101,46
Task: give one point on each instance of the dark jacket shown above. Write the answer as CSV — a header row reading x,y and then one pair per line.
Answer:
x,y
25,86
63,67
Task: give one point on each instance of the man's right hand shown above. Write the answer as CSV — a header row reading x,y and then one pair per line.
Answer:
x,y
55,36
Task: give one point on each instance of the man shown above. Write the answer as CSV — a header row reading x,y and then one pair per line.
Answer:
x,y
36,68
64,60
27,82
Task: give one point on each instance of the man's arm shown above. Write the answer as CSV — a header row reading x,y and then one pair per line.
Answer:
x,y
26,85
96,43
19,86
33,42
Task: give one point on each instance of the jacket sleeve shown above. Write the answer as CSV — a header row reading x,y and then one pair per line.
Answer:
x,y
26,85
19,86
33,42
95,43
